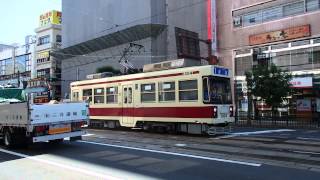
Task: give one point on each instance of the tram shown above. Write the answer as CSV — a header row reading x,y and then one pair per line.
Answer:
x,y
186,99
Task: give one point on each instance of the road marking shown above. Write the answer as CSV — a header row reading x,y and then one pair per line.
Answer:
x,y
307,152
254,133
175,154
80,170
88,135
302,138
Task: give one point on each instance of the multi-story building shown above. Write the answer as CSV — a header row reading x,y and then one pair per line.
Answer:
x,y
48,36
284,32
16,64
128,34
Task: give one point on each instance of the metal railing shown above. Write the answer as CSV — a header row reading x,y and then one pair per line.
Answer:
x,y
290,121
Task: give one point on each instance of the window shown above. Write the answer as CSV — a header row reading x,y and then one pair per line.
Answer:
x,y
58,39
188,90
112,95
43,40
243,64
280,46
167,91
99,96
43,73
28,62
252,18
127,94
87,95
312,5
75,96
148,92
271,13
216,90
293,9
316,41
300,43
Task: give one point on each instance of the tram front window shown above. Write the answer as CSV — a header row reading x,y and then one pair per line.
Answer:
x,y
216,90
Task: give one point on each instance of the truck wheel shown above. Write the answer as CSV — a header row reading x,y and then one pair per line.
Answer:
x,y
7,139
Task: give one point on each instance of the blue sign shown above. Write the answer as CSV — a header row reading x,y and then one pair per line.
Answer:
x,y
221,71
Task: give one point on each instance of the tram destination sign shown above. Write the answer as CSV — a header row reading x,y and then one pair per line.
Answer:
x,y
221,71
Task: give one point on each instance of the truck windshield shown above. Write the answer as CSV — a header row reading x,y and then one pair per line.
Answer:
x,y
216,90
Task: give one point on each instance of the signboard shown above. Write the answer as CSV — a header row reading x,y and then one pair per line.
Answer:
x,y
221,71
318,104
303,105
303,82
43,54
280,35
212,23
52,17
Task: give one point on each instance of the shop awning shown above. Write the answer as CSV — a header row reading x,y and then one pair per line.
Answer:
x,y
124,36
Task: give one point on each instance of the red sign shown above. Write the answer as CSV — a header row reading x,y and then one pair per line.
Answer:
x,y
281,35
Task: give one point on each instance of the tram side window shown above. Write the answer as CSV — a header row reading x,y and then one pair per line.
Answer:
x,y
167,91
112,95
75,96
148,92
87,95
188,90
99,96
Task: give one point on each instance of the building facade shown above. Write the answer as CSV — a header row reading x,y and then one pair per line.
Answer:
x,y
284,32
99,33
16,64
48,36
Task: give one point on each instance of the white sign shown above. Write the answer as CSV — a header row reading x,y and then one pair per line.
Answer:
x,y
304,82
303,105
318,104
214,24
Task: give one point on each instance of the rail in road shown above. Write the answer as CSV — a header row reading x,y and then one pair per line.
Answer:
x,y
274,150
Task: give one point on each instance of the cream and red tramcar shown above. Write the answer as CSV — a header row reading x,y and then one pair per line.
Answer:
x,y
189,99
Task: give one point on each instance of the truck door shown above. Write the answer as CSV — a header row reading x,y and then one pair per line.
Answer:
x,y
128,106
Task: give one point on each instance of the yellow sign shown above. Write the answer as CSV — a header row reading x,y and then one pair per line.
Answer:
x,y
52,17
43,54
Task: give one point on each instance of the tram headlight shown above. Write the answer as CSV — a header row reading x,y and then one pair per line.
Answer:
x,y
231,111
215,111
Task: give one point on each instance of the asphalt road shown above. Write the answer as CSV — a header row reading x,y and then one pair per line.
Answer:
x,y
95,158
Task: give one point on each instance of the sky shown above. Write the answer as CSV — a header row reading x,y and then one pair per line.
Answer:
x,y
20,18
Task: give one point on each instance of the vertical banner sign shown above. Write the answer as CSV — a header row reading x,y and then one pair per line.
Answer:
x,y
212,23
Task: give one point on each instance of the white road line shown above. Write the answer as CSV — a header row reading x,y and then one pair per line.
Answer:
x,y
302,138
175,154
254,133
80,170
307,152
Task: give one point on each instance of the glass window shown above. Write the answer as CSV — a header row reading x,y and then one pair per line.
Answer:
x,y
252,18
300,43
316,41
99,96
43,40
316,55
167,91
87,95
75,96
293,9
127,95
148,92
312,5
271,13
237,21
280,46
112,95
217,90
188,90
58,38
243,64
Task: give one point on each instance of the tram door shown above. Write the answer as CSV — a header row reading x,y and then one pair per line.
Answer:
x,y
127,106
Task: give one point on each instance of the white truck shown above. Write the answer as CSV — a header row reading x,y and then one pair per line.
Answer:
x,y
24,121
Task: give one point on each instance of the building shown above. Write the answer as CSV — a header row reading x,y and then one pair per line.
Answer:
x,y
98,33
284,32
48,36
16,64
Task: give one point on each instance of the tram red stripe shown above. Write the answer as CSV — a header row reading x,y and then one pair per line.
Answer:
x,y
133,79
170,112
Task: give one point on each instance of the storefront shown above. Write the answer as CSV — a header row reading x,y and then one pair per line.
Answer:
x,y
293,50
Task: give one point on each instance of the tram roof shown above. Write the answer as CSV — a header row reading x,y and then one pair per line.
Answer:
x,y
206,69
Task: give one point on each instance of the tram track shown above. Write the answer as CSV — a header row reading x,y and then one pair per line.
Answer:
x,y
296,153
